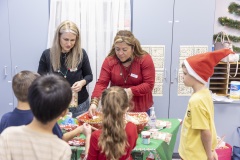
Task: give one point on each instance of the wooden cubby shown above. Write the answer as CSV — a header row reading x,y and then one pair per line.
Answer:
x,y
221,79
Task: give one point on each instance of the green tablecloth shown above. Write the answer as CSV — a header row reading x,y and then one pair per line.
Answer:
x,y
160,149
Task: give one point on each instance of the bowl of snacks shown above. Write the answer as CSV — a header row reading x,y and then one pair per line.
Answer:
x,y
95,121
77,142
140,119
67,127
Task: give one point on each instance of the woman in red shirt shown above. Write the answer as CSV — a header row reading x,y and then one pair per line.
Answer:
x,y
116,139
130,67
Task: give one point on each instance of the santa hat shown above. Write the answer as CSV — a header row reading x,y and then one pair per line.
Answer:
x,y
201,66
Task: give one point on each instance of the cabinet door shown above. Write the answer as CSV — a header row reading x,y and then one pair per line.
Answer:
x,y
152,25
193,25
28,32
6,95
155,24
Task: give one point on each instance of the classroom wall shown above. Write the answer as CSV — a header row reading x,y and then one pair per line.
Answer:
x,y
222,11
227,115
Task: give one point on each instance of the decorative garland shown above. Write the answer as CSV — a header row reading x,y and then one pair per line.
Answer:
x,y
236,49
224,21
234,8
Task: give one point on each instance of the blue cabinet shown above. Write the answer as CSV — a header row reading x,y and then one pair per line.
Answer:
x,y
153,25
6,95
28,21
23,37
173,23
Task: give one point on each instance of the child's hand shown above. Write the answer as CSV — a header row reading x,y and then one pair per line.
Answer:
x,y
214,156
87,129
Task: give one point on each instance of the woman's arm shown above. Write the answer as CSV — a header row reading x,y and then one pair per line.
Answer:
x,y
103,80
148,75
101,84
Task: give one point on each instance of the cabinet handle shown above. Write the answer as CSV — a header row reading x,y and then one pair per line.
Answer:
x,y
176,75
5,70
16,68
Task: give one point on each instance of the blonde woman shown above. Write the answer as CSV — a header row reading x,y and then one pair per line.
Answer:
x,y
67,59
116,139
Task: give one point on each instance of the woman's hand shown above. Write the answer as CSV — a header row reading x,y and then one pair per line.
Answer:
x,y
92,110
77,86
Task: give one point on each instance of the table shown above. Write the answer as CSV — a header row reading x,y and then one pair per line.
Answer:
x,y
160,149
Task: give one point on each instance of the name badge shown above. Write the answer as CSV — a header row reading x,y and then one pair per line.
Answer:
x,y
134,75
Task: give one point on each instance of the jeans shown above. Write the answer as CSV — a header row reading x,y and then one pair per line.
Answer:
x,y
80,109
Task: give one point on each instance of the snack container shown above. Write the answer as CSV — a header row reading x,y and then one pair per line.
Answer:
x,y
86,118
145,137
140,119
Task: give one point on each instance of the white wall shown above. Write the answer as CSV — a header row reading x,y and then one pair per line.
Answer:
x,y
222,11
227,117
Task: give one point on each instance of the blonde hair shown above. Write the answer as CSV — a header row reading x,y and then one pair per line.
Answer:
x,y
127,37
75,55
113,139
